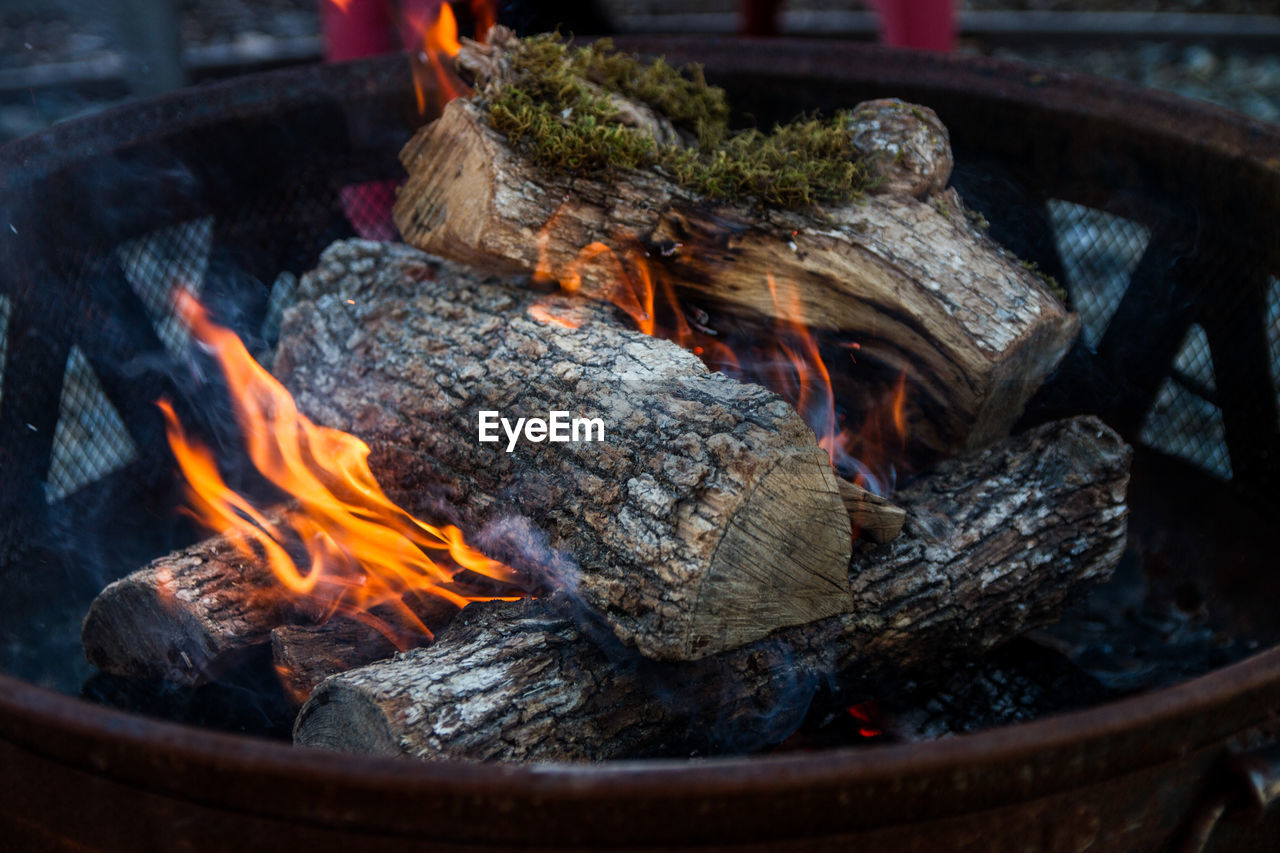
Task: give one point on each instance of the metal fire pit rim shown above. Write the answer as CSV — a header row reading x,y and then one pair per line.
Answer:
x,y
71,142
72,724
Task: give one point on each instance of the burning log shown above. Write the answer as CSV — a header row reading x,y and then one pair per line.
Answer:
x,y
191,616
701,514
994,543
905,273
707,518
187,617
305,655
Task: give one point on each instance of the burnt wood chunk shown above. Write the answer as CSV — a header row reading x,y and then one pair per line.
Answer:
x,y
187,617
995,543
874,517
906,273
700,515
305,655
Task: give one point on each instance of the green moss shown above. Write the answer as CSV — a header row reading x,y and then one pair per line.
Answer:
x,y
567,125
683,96
798,164
574,139
1047,280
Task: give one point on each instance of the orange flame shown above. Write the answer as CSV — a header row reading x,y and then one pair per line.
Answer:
x,y
787,358
483,14
432,43
362,550
343,5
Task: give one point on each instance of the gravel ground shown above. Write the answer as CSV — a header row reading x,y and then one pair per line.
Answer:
x,y
36,32
1247,82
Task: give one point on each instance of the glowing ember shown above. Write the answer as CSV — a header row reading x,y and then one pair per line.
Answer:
x,y
362,552
866,714
543,314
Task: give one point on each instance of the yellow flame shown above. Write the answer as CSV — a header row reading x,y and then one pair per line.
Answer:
x,y
362,549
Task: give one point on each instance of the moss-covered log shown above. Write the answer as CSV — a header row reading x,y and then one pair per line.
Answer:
x,y
905,273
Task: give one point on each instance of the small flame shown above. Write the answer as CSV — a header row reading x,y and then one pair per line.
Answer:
x,y
787,358
432,42
483,14
362,551
343,5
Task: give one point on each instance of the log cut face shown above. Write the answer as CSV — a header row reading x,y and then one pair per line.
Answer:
x,y
912,279
706,518
995,543
186,618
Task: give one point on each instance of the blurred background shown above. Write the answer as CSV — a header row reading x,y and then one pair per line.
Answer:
x,y
63,58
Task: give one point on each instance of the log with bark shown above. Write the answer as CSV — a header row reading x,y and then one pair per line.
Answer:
x,y
192,616
995,543
305,655
706,517
906,273
187,617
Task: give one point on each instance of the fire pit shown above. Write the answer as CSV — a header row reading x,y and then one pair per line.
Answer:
x,y
1176,331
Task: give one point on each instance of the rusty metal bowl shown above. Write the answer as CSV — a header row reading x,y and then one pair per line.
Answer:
x,y
266,158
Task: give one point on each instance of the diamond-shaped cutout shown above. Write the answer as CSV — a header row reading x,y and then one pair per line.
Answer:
x,y
153,264
90,440
1185,424
1193,360
1099,252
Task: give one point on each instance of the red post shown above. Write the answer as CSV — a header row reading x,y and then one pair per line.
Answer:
x,y
356,28
921,24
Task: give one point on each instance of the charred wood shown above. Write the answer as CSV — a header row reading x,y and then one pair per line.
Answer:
x,y
187,617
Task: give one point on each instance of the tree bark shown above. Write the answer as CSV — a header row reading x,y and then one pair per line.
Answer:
x,y
995,543
912,280
186,618
305,655
706,517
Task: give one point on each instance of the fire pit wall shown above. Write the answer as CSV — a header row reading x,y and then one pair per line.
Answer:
x,y
1157,216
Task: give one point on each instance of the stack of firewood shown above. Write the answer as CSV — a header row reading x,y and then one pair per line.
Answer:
x,y
700,571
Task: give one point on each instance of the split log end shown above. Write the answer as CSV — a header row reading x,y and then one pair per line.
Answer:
x,y
782,560
873,517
